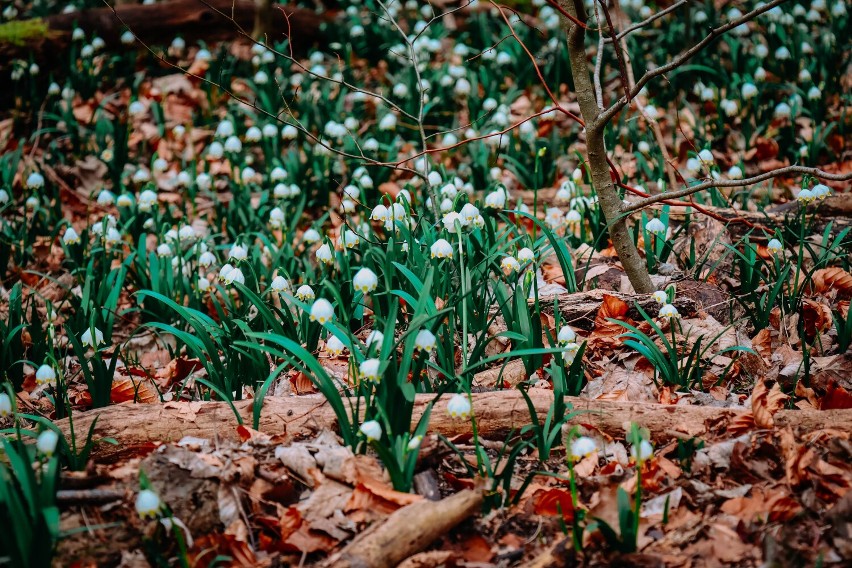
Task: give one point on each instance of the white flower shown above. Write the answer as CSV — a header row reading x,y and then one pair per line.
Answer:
x,y
414,443
31,203
261,78
305,293
782,53
495,200
509,265
748,91
760,74
425,340
233,145
805,196
203,284
45,375
311,236
582,447
774,246
35,181
814,94
147,504
334,346
324,254
86,338
668,311
569,351
178,44
78,34
289,132
526,255
238,252
5,405
706,157
566,335
270,131
365,280
655,227
693,166
380,213
573,217
372,430
451,219
660,297
348,239
279,284
469,212
643,452
462,87
71,237
442,249
388,122
322,311
735,172
276,218
369,370
253,134
164,250
225,129
232,276
459,406
783,110
46,442
820,191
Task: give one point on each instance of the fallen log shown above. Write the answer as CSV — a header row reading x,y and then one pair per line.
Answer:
x,y
407,531
159,24
497,413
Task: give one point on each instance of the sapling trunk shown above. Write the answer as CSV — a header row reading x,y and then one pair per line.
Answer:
x,y
608,197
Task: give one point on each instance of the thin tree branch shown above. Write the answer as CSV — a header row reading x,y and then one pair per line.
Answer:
x,y
815,172
599,63
619,55
643,23
714,34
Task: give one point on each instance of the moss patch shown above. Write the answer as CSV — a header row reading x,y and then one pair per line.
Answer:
x,y
20,33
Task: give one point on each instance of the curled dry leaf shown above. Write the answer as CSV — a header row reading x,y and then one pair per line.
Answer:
x,y
138,390
832,279
765,402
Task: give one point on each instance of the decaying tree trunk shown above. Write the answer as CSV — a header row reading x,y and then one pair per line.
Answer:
x,y
407,531
160,23
497,413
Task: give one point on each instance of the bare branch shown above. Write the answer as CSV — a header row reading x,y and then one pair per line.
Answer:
x,y
643,23
715,33
815,172
619,55
599,63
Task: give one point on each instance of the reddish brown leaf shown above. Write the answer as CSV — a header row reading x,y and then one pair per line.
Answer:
x,y
553,502
765,402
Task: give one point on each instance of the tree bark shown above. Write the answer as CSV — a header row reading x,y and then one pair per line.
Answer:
x,y
610,202
137,426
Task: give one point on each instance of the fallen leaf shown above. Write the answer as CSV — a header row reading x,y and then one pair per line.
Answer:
x,y
765,402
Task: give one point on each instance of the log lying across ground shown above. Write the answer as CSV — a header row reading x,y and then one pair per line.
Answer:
x,y
158,24
497,412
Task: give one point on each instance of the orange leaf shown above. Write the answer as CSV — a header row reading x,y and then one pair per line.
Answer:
x,y
126,389
551,502
836,398
611,308
765,402
834,278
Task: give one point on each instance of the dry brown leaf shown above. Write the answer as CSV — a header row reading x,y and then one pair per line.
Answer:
x,y
832,279
125,389
765,402
611,308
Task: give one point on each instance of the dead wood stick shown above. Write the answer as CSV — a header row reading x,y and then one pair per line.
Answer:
x,y
88,496
137,426
407,531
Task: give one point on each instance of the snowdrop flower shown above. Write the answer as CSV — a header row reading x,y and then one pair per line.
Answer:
x,y
204,181
554,218
805,196
365,281
164,250
238,252
71,237
380,213
774,246
232,276
655,227
459,406
366,181
349,239
253,134
783,110
782,53
261,78
5,405
281,191
278,174
526,255
106,198
643,452
279,284
35,181
462,88
46,442
305,293
203,284
668,311
566,335
425,340
98,43
322,311
147,200
225,129
324,254
215,151
735,172
814,94
569,352
730,108
270,131
495,200
369,370
78,34
388,122
233,145
451,219
311,236
509,265
113,237
693,166
442,249
289,132
31,203
334,346
414,443
276,218
45,375
838,9
375,337
582,447
804,76
469,212
147,504
760,74
706,158
573,217
86,338
748,91
820,191
372,430
660,297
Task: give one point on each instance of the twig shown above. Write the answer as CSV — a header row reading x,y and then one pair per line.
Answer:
x,y
643,23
